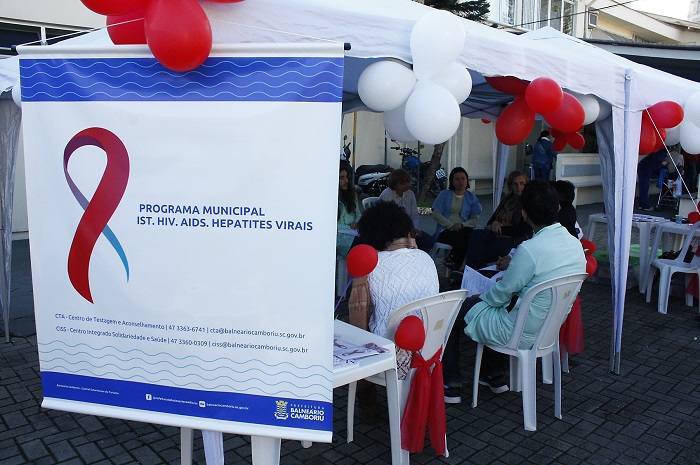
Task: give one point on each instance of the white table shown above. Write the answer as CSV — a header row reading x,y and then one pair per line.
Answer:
x,y
266,450
645,224
667,228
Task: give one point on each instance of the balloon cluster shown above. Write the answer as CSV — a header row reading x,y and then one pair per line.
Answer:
x,y
591,262
564,112
688,132
658,121
421,103
177,31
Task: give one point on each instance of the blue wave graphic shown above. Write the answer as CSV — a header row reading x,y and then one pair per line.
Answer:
x,y
295,79
191,371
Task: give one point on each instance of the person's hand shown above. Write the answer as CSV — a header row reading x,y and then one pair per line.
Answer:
x,y
456,227
353,225
502,263
496,227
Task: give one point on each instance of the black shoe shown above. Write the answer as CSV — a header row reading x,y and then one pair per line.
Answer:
x,y
497,383
452,395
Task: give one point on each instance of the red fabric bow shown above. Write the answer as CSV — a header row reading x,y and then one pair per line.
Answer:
x,y
425,406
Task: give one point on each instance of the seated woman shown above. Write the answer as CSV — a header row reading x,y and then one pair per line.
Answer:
x,y
403,274
348,211
504,231
456,211
490,317
567,212
399,192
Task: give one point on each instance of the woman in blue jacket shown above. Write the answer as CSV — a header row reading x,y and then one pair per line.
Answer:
x,y
457,212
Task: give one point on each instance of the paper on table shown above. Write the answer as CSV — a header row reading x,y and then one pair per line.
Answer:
x,y
348,351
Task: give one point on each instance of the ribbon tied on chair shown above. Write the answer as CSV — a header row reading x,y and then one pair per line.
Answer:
x,y
425,406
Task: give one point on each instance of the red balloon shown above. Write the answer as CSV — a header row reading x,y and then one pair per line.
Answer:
x,y
591,265
660,139
114,7
569,116
559,144
588,246
576,140
361,260
647,137
485,121
178,33
515,122
556,133
508,84
666,114
225,1
693,217
131,32
544,95
410,334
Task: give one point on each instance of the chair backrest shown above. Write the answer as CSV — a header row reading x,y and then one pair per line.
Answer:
x,y
686,246
368,202
438,313
564,291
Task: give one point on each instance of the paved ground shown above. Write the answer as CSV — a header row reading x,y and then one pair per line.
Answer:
x,y
649,414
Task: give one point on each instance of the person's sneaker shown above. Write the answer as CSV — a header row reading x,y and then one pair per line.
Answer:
x,y
452,395
497,383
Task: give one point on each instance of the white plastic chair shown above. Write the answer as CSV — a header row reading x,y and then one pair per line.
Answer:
x,y
341,271
438,314
369,202
523,362
437,247
667,267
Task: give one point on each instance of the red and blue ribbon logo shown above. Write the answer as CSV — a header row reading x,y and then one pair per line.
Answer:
x,y
100,208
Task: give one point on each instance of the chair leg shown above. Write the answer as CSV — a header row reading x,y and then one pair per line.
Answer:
x,y
477,369
650,282
516,368
528,374
664,288
352,390
564,359
688,297
213,447
557,384
547,369
186,446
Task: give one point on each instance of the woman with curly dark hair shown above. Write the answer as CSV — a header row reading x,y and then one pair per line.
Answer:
x,y
348,210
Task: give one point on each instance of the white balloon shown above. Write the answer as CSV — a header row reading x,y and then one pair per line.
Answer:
x,y
605,109
385,85
690,137
395,125
17,95
456,79
432,113
437,39
691,109
591,107
673,135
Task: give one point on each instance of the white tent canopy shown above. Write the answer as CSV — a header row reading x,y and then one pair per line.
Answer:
x,y
378,29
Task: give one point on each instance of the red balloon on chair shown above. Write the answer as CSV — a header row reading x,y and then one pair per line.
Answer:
x,y
515,122
410,334
666,114
113,7
508,84
588,246
693,217
361,260
569,117
544,95
132,29
591,265
178,33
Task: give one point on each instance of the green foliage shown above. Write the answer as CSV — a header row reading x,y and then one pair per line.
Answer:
x,y
475,10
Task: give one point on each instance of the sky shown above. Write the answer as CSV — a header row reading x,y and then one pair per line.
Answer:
x,y
673,8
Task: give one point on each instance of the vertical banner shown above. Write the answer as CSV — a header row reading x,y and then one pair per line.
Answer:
x,y
182,231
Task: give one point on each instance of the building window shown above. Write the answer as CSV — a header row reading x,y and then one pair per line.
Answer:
x,y
503,11
558,14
